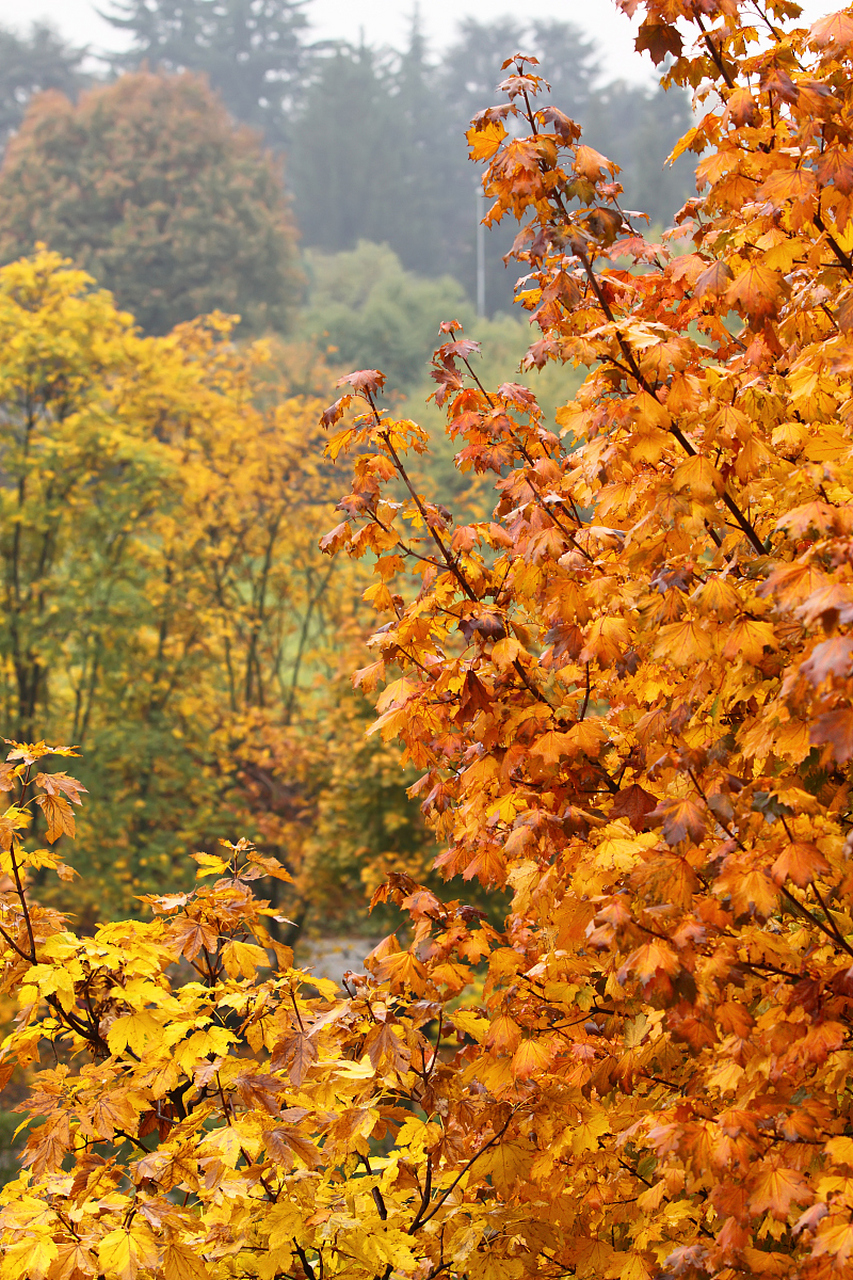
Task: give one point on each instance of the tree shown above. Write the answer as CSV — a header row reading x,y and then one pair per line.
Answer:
x,y
348,152
630,691
629,694
30,64
363,305
251,51
164,600
147,185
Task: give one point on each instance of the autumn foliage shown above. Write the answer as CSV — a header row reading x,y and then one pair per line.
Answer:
x,y
628,694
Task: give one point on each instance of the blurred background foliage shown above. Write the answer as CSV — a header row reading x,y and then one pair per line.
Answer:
x,y
370,140
162,488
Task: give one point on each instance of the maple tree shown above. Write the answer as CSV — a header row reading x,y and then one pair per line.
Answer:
x,y
629,691
628,695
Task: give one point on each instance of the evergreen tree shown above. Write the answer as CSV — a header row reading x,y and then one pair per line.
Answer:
x,y
31,63
348,161
250,50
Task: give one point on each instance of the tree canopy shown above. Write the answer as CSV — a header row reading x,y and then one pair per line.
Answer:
x,y
251,51
31,63
148,185
165,605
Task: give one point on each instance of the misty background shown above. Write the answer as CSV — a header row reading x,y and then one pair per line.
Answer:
x,y
369,137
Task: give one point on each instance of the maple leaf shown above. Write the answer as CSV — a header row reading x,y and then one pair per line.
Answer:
x,y
714,280
590,163
190,936
835,728
775,1190
59,815
365,381
700,477
120,1254
832,657
683,643
383,1045
835,29
531,1058
181,1262
60,784
682,819
757,291
802,862
660,39
295,1053
748,638
484,140
633,803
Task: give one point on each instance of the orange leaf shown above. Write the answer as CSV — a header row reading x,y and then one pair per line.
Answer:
x,y
756,292
683,643
801,862
682,820
531,1058
486,141
774,1190
59,815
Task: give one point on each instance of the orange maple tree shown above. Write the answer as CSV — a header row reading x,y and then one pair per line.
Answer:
x,y
629,696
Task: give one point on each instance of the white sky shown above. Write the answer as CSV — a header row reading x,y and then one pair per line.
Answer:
x,y
387,21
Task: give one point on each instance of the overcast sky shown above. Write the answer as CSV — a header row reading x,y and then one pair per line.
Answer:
x,y
387,21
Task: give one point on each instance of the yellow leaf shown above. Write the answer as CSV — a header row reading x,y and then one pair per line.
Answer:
x,y
243,959
180,1262
840,1150
118,1255
635,1267
585,1136
505,653
134,1030
29,1259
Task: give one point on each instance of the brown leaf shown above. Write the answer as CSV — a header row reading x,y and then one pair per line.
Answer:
x,y
383,1043
660,39
367,381
191,936
60,784
295,1053
835,728
682,820
633,803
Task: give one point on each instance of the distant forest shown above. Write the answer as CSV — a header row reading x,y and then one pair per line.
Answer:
x,y
372,139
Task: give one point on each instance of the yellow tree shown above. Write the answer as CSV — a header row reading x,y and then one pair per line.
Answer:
x,y
165,603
